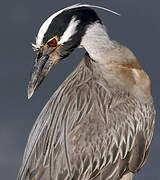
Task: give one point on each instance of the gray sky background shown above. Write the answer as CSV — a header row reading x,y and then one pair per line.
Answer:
x,y
138,28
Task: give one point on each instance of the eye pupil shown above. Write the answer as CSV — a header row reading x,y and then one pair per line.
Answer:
x,y
52,43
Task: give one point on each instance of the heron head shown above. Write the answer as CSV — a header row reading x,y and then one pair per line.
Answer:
x,y
58,36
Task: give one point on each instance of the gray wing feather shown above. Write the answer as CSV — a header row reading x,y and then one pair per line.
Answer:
x,y
86,131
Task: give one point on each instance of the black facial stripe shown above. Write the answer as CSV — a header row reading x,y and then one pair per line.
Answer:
x,y
60,23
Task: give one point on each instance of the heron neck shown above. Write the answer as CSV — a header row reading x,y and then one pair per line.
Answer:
x,y
97,42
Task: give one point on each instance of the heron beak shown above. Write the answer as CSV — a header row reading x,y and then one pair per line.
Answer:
x,y
40,70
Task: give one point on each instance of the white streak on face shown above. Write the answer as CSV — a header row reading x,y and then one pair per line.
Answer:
x,y
46,24
70,31
42,31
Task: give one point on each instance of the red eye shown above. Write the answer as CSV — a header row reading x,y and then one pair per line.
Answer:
x,y
52,43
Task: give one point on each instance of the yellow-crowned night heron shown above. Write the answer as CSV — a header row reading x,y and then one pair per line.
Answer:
x,y
98,125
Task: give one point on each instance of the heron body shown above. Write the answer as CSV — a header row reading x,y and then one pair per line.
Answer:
x,y
98,125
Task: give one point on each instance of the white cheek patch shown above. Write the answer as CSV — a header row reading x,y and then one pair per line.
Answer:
x,y
70,31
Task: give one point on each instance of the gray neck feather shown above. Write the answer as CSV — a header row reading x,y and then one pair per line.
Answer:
x,y
96,42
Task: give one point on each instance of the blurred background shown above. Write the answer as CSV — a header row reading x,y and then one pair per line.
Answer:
x,y
138,28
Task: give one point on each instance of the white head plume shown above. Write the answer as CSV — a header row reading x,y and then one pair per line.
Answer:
x,y
94,6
